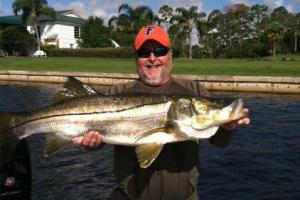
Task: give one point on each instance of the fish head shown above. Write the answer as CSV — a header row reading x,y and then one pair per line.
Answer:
x,y
207,113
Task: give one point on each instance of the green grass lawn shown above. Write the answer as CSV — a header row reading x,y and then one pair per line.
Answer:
x,y
266,67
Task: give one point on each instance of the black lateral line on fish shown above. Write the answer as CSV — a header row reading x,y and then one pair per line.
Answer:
x,y
86,113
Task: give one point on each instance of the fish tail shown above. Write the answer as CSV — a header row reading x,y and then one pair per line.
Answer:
x,y
8,139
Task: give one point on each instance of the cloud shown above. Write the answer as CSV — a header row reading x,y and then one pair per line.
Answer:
x,y
273,4
239,2
108,8
289,8
180,3
104,9
296,2
3,10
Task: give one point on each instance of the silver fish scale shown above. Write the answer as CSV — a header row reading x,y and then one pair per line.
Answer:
x,y
91,104
127,124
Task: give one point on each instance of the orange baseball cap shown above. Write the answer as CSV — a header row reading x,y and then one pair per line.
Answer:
x,y
152,32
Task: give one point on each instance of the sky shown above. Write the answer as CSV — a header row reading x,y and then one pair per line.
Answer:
x,y
107,8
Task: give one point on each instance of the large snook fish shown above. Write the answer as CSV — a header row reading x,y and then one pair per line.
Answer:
x,y
147,122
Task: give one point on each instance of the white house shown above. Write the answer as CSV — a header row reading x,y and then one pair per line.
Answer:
x,y
62,31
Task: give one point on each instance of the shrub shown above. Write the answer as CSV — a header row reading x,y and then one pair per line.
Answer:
x,y
93,52
94,33
16,41
47,47
199,52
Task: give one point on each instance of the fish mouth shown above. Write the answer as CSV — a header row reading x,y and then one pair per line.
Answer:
x,y
237,106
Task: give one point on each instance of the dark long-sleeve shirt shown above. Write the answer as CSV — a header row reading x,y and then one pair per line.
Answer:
x,y
174,174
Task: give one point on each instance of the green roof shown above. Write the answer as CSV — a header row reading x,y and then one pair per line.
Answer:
x,y
12,20
61,18
17,20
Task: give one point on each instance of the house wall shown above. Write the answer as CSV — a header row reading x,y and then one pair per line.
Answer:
x,y
66,36
61,35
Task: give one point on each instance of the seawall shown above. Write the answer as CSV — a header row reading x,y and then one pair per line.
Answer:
x,y
219,83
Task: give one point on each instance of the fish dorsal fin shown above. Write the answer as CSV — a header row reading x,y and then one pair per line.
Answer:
x,y
55,142
74,88
79,88
147,153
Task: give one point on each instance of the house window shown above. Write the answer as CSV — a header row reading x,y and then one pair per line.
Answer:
x,y
76,32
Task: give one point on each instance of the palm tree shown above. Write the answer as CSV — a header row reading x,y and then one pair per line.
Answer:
x,y
186,19
166,13
294,26
258,17
133,19
274,34
178,39
213,31
32,9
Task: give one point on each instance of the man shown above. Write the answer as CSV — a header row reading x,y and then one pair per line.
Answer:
x,y
174,174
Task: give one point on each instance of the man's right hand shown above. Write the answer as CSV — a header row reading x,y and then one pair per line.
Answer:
x,y
91,140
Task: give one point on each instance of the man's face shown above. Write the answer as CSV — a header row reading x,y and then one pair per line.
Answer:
x,y
154,70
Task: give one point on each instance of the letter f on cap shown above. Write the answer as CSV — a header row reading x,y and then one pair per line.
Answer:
x,y
149,30
152,32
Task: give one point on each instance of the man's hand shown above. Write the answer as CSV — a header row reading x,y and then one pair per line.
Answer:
x,y
91,140
231,126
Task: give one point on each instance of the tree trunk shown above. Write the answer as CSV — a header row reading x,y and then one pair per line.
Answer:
x,y
34,24
190,44
183,49
274,49
295,42
37,35
230,39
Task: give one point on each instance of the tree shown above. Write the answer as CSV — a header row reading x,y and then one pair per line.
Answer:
x,y
132,19
258,18
281,15
213,30
94,33
274,34
295,27
166,13
239,18
178,39
15,40
32,9
186,18
201,26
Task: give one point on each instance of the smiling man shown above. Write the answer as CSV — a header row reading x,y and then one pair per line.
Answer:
x,y
153,61
174,174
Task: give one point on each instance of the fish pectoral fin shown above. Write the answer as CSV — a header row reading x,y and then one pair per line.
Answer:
x,y
55,142
147,133
147,153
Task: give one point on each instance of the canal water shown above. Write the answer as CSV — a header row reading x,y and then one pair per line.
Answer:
x,y
262,161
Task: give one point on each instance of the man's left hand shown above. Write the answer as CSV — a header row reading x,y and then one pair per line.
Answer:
x,y
231,126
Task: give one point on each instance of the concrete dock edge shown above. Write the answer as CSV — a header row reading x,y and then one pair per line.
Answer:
x,y
214,83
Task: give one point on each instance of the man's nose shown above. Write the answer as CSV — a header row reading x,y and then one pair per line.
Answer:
x,y
152,57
